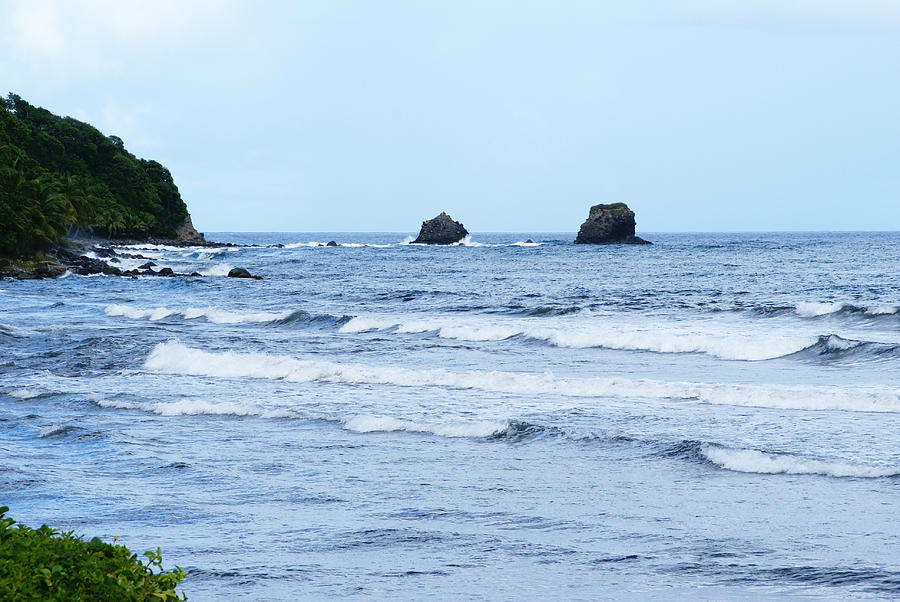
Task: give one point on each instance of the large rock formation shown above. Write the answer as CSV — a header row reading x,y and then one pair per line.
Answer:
x,y
441,230
609,225
185,232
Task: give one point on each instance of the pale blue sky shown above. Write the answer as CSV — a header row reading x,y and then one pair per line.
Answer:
x,y
702,115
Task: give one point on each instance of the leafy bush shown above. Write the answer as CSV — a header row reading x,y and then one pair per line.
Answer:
x,y
44,564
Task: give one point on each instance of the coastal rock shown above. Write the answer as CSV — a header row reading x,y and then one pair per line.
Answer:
x,y
166,272
239,273
185,232
441,230
331,243
146,266
608,225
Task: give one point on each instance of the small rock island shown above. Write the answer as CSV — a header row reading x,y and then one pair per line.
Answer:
x,y
609,225
441,230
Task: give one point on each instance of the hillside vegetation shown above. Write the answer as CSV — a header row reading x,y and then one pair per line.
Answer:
x,y
61,176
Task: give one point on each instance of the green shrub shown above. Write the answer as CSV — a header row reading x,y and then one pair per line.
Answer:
x,y
44,564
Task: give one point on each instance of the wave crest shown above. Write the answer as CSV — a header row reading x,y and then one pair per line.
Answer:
x,y
175,358
750,460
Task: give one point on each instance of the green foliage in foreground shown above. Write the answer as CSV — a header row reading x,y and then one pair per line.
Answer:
x,y
58,175
44,564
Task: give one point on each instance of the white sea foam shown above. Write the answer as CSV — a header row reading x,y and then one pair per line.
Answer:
x,y
814,309
219,269
25,393
386,424
468,242
50,431
475,334
152,247
197,407
836,343
749,460
883,310
587,334
135,313
211,314
312,243
525,244
363,324
175,358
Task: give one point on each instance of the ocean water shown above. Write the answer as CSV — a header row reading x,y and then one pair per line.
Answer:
x,y
713,416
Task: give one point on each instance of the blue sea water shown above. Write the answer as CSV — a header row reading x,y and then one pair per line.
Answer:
x,y
712,416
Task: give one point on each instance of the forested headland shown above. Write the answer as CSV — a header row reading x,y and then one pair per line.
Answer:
x,y
62,177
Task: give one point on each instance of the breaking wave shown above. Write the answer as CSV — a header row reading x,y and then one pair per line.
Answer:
x,y
751,460
222,316
197,407
832,347
730,347
362,423
386,424
815,309
176,358
8,330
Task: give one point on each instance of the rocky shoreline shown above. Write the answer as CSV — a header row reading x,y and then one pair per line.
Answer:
x,y
73,257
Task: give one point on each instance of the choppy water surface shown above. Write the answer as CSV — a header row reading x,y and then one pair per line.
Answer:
x,y
712,416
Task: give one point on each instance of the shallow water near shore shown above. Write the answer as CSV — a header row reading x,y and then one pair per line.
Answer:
x,y
712,416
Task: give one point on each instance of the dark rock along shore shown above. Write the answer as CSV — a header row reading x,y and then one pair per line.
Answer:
x,y
608,225
442,230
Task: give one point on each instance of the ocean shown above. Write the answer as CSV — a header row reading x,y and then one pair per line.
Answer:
x,y
714,416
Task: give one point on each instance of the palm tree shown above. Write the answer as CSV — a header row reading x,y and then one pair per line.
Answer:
x,y
71,190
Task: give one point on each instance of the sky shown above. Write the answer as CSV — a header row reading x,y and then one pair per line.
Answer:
x,y
702,115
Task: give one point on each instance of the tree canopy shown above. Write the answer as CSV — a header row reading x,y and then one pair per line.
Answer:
x,y
61,176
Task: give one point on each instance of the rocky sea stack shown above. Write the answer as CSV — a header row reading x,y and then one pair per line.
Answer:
x,y
609,225
441,230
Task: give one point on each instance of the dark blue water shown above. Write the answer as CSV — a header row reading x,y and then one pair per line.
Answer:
x,y
713,416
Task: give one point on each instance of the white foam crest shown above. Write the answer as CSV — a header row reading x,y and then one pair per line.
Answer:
x,y
211,314
152,247
136,313
408,240
416,327
25,393
836,343
363,324
386,424
467,242
219,269
197,407
812,309
523,243
312,243
750,460
585,334
659,341
883,310
176,358
476,333
50,431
